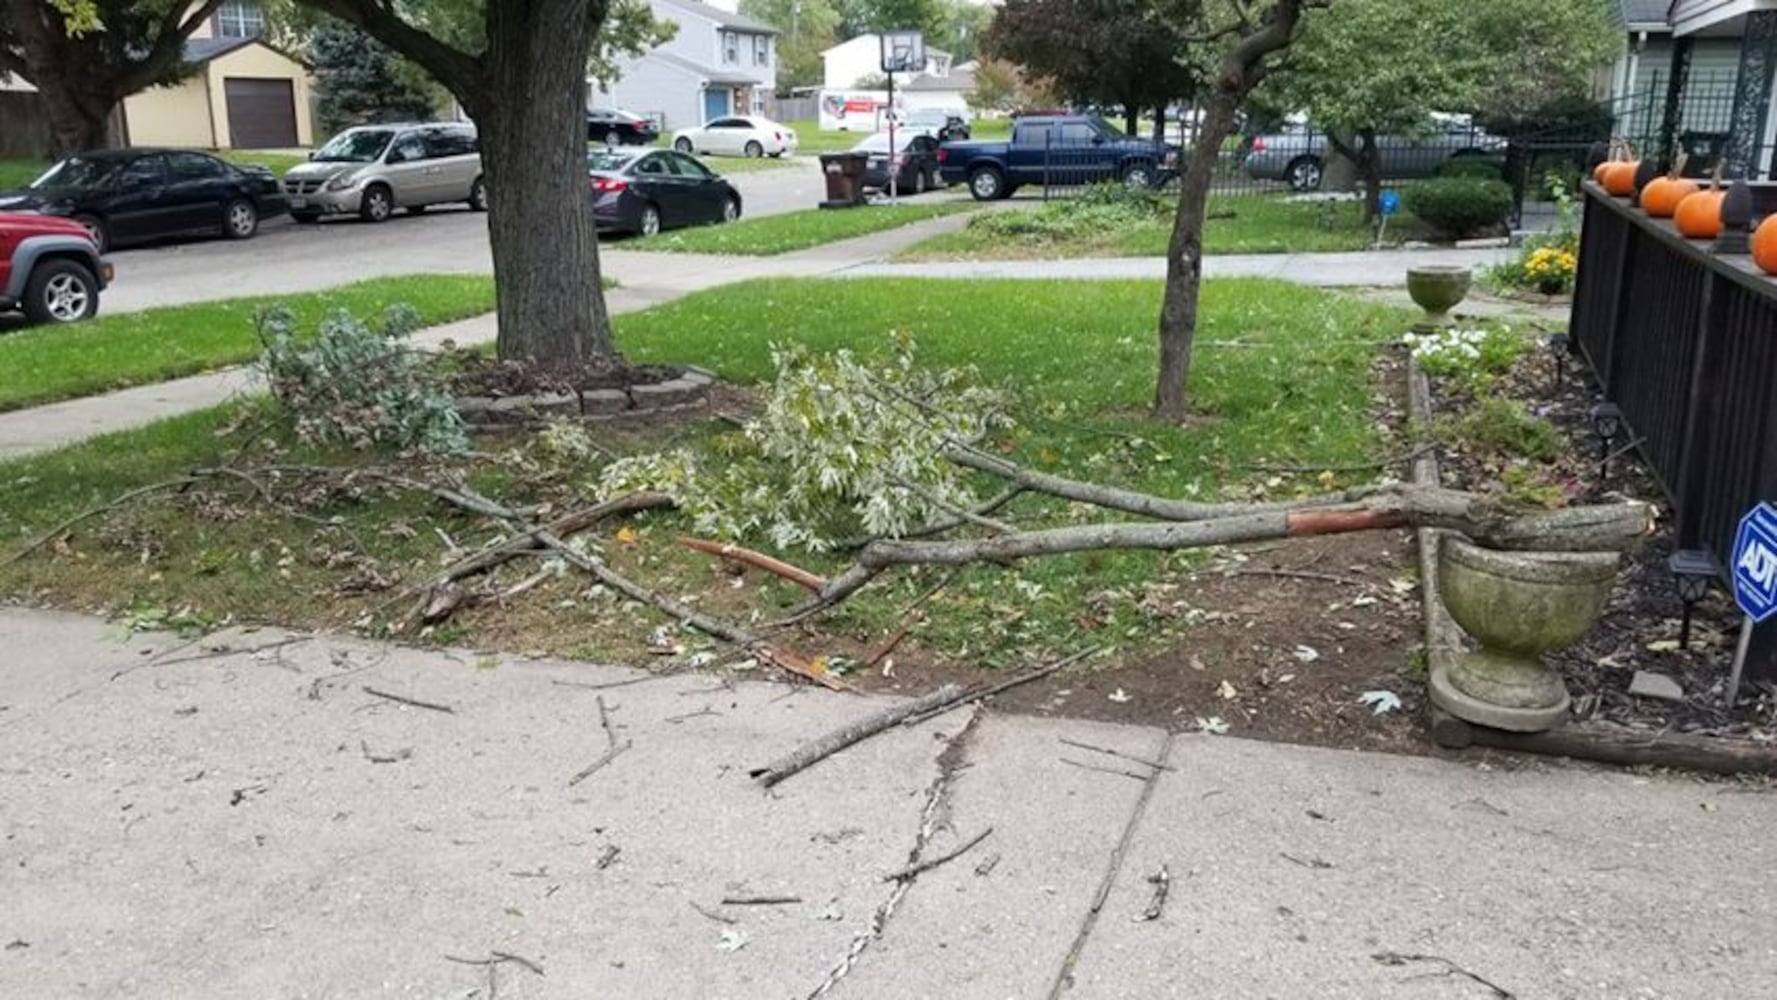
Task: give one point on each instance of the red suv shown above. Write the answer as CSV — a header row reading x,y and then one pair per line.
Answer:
x,y
49,268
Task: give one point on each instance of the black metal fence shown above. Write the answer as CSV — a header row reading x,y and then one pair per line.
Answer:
x,y
1684,340
1069,168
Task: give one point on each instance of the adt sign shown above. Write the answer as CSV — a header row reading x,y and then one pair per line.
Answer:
x,y
1755,563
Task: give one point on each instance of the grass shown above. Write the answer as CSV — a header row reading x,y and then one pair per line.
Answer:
x,y
1278,378
43,364
16,174
812,227
1236,225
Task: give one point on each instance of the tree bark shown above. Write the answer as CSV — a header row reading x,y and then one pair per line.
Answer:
x,y
1361,150
525,94
1241,70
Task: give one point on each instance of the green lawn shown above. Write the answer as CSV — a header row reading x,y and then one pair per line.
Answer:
x,y
1064,228
43,364
16,174
1281,375
812,227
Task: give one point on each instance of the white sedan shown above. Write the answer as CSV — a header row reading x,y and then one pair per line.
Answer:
x,y
737,135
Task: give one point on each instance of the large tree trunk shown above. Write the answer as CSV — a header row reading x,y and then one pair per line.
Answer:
x,y
1361,150
1184,258
533,127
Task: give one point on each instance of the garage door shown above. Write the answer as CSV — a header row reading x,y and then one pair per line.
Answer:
x,y
261,113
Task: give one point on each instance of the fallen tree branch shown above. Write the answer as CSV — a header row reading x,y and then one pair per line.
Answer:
x,y
91,512
415,702
961,514
914,871
757,560
983,694
826,746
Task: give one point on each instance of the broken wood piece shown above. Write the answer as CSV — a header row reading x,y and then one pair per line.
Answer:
x,y
786,660
820,749
914,871
760,900
1162,883
757,560
887,646
605,758
415,702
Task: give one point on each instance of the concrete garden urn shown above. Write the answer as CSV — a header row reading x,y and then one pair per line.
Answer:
x,y
1517,606
1437,288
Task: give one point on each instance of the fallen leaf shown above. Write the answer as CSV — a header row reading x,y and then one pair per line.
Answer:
x,y
1226,690
732,940
1380,702
1213,725
1118,696
1663,646
1402,585
627,535
1307,654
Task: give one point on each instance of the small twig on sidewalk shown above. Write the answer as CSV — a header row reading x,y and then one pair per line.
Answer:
x,y
914,871
1156,765
607,856
1314,863
605,758
608,684
713,915
385,758
1105,770
495,958
415,702
706,710
759,900
1162,883
1395,958
605,724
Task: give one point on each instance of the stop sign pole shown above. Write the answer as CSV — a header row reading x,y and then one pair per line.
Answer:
x,y
1754,565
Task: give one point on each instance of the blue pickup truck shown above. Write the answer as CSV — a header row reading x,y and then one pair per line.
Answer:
x,y
1056,149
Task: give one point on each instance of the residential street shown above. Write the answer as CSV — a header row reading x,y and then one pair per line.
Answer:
x,y
201,820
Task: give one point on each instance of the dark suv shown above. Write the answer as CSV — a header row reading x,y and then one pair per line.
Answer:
x,y
49,268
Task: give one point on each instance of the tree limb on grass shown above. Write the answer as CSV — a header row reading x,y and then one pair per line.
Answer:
x,y
757,560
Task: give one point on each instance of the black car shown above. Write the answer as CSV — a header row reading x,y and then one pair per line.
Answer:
x,y
645,191
619,128
137,195
947,126
916,162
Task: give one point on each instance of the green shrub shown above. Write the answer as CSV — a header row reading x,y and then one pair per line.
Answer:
x,y
1495,424
1472,166
1460,207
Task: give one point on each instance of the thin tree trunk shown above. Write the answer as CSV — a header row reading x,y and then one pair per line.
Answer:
x,y
1131,118
1184,258
1160,124
545,247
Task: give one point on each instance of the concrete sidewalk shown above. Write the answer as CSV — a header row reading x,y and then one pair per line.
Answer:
x,y
1329,270
185,821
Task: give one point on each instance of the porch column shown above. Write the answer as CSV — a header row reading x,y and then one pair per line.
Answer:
x,y
1752,94
1678,76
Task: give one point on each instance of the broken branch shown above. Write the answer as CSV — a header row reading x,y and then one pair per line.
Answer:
x,y
415,702
826,746
757,560
605,758
914,871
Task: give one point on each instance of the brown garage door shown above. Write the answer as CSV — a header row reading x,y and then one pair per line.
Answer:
x,y
261,113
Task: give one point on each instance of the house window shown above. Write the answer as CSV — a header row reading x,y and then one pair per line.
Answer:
x,y
761,50
730,47
240,19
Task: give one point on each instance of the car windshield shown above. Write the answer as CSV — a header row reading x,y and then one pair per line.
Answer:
x,y
609,159
77,172
928,117
879,143
355,147
1110,131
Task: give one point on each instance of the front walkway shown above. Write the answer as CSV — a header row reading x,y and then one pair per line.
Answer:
x,y
183,820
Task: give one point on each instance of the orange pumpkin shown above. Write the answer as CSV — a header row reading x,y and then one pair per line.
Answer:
x,y
1619,178
1699,215
1661,196
1764,245
1598,171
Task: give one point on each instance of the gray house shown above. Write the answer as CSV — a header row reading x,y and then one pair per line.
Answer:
x,y
719,63
1705,106
1639,76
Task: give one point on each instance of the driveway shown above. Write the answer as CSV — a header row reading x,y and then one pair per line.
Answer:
x,y
286,257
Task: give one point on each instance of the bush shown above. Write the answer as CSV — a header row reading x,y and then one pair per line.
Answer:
x,y
1460,207
1483,167
1503,426
359,385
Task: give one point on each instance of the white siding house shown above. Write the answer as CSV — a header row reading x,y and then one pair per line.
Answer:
x,y
719,63
860,58
1639,77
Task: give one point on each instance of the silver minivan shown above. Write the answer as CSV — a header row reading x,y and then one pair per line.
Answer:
x,y
371,170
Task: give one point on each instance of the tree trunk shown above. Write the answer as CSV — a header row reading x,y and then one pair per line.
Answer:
x,y
1159,125
533,134
1184,257
1340,172
1131,118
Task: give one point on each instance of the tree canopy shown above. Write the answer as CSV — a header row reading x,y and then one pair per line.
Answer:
x,y
1096,51
809,27
360,80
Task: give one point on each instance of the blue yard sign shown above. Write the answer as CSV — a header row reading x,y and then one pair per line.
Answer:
x,y
1755,563
1389,201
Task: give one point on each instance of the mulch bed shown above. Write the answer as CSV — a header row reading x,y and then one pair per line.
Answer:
x,y
1640,626
477,374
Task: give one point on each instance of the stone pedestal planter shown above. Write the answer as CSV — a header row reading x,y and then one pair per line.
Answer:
x,y
1437,288
1517,606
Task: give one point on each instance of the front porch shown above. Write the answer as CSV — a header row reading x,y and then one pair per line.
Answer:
x,y
1749,149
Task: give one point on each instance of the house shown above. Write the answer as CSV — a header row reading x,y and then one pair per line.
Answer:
x,y
859,59
1741,115
242,93
950,91
719,63
1639,77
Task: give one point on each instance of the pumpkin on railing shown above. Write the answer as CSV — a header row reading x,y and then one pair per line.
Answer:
x,y
1617,175
1661,196
1698,215
1764,245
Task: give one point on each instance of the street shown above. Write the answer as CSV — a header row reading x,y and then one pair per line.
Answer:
x,y
285,257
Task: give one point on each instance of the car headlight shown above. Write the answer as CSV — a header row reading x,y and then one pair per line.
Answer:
x,y
342,181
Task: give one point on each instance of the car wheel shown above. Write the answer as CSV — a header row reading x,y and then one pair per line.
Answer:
x,y
1303,174
682,145
986,184
61,291
650,221
305,218
478,195
753,149
730,209
377,205
95,228
1138,175
919,182
240,220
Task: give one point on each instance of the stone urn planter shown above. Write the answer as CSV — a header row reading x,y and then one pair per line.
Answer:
x,y
1437,288
1517,606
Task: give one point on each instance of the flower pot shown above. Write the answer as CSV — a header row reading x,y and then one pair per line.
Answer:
x,y
1436,288
1517,606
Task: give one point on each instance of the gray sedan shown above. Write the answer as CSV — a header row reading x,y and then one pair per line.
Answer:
x,y
1298,156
